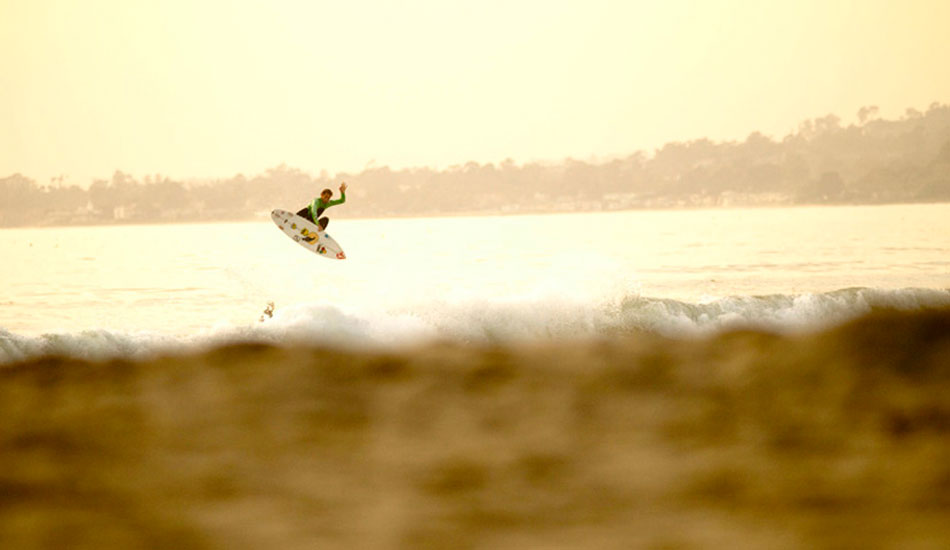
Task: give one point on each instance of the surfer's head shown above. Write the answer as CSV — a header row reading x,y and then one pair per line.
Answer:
x,y
326,194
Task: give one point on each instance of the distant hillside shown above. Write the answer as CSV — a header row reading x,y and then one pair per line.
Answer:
x,y
823,162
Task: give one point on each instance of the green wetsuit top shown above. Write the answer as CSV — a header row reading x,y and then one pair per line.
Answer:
x,y
318,206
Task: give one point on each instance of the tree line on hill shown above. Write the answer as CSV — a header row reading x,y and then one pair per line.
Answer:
x,y
823,162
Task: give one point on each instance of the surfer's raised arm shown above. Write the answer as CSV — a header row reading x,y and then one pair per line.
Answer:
x,y
342,198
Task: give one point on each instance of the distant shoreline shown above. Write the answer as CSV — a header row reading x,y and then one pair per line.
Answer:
x,y
262,216
904,161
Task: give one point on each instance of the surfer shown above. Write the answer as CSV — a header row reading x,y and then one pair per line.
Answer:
x,y
312,211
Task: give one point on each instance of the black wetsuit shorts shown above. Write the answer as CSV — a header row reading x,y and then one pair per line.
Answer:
x,y
305,214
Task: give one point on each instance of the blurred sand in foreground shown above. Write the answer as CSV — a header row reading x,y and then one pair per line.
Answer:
x,y
745,440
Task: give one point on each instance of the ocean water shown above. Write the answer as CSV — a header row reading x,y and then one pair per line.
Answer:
x,y
98,292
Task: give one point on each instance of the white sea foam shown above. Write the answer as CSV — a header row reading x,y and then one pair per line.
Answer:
x,y
784,313
538,317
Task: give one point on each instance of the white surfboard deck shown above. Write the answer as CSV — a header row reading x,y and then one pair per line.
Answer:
x,y
307,234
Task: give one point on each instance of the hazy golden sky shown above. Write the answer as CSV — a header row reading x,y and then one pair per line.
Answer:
x,y
193,88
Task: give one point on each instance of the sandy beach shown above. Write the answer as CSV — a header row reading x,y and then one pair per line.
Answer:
x,y
837,439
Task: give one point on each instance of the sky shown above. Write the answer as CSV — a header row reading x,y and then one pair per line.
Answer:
x,y
196,89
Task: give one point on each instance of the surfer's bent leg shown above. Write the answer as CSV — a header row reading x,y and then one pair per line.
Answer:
x,y
324,221
305,214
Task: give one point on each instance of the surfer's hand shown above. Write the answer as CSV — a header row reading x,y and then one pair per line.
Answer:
x,y
343,187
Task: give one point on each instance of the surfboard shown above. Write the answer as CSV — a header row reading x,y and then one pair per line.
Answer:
x,y
307,234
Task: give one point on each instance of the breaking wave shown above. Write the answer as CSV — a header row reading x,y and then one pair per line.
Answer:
x,y
500,321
